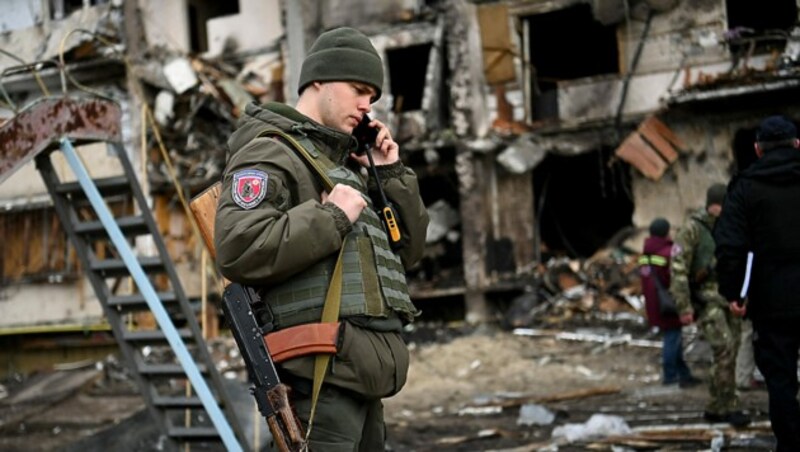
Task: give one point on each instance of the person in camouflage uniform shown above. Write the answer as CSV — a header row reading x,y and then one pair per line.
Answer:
x,y
694,286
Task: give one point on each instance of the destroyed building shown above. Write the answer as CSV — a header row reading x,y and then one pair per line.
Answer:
x,y
538,129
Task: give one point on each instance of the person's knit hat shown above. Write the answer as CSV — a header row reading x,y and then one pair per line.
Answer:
x,y
343,54
776,128
659,227
716,194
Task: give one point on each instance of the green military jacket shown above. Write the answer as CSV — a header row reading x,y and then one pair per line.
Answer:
x,y
694,281
265,237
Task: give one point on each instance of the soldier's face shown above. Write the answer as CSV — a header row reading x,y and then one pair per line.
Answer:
x,y
343,104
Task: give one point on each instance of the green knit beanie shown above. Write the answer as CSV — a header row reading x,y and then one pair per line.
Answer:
x,y
342,54
716,194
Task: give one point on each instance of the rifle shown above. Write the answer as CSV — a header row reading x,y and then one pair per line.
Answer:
x,y
241,305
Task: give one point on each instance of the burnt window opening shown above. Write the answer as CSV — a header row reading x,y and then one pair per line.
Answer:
x,y
744,154
753,27
567,44
441,265
200,11
581,202
407,69
60,9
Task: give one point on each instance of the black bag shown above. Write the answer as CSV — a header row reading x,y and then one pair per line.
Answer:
x,y
666,303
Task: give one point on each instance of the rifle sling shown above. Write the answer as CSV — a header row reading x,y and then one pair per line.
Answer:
x,y
333,298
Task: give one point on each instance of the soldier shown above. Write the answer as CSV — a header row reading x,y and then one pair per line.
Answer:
x,y
279,229
694,286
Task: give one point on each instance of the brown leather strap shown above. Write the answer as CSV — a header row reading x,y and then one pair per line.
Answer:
x,y
302,340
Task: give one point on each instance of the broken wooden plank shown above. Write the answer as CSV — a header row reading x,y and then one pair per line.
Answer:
x,y
658,141
665,131
638,153
508,402
498,53
626,339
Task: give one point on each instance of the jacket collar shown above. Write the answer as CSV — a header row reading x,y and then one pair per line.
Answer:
x,y
331,142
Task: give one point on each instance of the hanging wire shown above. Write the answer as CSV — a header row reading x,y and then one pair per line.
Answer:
x,y
36,75
23,67
65,71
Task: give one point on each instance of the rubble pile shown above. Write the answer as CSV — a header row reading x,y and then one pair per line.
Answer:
x,y
601,287
196,103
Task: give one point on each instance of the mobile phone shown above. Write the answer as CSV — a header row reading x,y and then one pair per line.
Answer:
x,y
365,135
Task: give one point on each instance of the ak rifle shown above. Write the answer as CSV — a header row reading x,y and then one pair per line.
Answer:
x,y
240,305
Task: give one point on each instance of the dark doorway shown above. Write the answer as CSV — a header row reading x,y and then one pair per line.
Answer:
x,y
558,54
407,69
743,152
200,11
581,202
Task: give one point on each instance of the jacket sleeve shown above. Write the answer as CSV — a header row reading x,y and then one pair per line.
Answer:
x,y
284,233
400,185
732,243
680,266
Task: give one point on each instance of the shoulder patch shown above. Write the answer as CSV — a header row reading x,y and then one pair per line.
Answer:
x,y
676,250
249,187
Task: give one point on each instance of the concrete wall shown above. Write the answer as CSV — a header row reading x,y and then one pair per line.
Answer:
x,y
19,14
41,41
708,159
26,184
258,25
166,23
49,304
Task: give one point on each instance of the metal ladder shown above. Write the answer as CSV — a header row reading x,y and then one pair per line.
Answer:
x,y
164,360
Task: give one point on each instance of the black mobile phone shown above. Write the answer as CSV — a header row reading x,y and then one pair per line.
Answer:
x,y
365,135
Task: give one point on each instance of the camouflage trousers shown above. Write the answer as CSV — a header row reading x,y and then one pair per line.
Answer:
x,y
722,331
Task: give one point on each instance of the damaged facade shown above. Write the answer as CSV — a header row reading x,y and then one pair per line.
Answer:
x,y
538,129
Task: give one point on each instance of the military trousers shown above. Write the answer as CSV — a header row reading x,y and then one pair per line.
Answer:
x,y
722,330
368,366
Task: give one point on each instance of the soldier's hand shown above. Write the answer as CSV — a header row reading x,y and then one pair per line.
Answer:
x,y
738,309
385,151
346,198
687,319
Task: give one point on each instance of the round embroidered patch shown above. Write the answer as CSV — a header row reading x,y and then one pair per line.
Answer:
x,y
249,188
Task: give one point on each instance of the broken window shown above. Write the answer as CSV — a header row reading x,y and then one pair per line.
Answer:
x,y
407,69
60,9
755,28
441,265
200,11
744,154
582,202
566,44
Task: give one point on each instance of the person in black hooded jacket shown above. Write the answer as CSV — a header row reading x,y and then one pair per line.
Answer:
x,y
761,215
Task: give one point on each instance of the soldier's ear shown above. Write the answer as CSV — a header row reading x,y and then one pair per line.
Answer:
x,y
759,151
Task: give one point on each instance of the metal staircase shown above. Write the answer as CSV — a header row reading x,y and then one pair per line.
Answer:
x,y
103,218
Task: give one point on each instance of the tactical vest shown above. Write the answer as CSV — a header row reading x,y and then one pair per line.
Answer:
x,y
373,276
704,253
